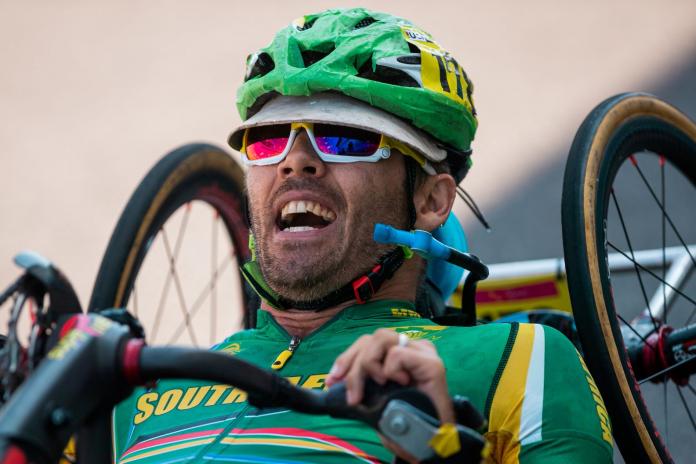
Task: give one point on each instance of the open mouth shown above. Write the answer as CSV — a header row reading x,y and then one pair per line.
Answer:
x,y
303,215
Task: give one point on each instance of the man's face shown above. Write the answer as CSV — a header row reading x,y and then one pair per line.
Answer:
x,y
304,256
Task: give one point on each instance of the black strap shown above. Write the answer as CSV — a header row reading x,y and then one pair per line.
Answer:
x,y
360,289
411,173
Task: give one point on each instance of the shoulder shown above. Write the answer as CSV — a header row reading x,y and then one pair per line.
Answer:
x,y
538,359
543,394
465,346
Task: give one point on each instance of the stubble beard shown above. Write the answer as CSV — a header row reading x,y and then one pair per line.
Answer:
x,y
305,273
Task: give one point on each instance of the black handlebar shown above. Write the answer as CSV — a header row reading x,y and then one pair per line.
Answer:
x,y
97,363
263,388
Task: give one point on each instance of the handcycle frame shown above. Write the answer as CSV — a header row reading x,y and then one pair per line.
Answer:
x,y
679,262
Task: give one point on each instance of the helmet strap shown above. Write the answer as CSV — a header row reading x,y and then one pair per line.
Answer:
x,y
361,289
410,187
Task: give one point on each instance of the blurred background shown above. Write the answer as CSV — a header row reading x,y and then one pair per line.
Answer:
x,y
92,94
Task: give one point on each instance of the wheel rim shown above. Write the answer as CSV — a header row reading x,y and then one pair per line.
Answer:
x,y
647,209
184,285
619,127
192,290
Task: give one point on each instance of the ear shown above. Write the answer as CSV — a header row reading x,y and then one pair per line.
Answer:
x,y
433,201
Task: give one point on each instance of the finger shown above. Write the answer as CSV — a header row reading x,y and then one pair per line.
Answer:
x,y
372,354
393,367
355,382
426,371
419,360
345,360
368,361
422,345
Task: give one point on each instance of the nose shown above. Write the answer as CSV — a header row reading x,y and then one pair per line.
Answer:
x,y
302,160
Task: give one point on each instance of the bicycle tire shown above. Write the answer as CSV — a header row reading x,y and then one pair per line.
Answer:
x,y
192,172
617,128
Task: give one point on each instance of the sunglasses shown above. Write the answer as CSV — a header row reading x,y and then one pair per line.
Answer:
x,y
264,145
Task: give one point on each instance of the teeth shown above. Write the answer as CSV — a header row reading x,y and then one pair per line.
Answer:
x,y
314,208
299,229
303,206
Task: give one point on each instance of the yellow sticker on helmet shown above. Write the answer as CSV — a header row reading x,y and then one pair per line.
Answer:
x,y
420,38
440,72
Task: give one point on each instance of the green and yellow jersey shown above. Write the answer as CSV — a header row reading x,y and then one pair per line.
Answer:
x,y
541,402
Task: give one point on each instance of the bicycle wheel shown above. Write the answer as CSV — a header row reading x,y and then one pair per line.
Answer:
x,y
173,257
630,184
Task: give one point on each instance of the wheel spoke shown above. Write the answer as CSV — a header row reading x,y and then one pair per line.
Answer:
x,y
666,370
666,420
198,303
686,406
172,261
630,247
690,387
661,206
213,279
664,239
179,292
637,264
691,316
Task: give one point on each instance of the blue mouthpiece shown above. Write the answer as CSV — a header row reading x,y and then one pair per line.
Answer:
x,y
419,241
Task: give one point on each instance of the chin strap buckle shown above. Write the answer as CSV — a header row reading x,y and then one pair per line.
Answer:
x,y
363,289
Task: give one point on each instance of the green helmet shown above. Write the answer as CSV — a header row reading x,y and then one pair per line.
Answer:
x,y
378,58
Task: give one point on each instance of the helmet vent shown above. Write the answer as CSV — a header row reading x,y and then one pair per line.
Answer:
x,y
409,59
365,22
309,57
307,25
387,75
259,65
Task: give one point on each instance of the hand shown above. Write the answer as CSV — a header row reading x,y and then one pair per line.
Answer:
x,y
382,357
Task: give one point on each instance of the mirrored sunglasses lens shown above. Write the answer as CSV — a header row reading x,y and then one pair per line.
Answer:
x,y
345,141
266,141
266,148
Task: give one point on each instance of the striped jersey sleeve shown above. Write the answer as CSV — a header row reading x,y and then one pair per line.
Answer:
x,y
544,405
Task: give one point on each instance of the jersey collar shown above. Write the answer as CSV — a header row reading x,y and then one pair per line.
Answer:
x,y
376,312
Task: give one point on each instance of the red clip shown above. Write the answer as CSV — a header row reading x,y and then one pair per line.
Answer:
x,y
131,361
14,455
362,291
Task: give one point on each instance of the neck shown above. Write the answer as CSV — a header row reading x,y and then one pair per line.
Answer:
x,y
300,323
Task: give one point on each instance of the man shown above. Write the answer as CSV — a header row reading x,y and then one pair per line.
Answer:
x,y
354,118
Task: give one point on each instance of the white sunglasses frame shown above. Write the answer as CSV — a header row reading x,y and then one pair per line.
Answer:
x,y
383,151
